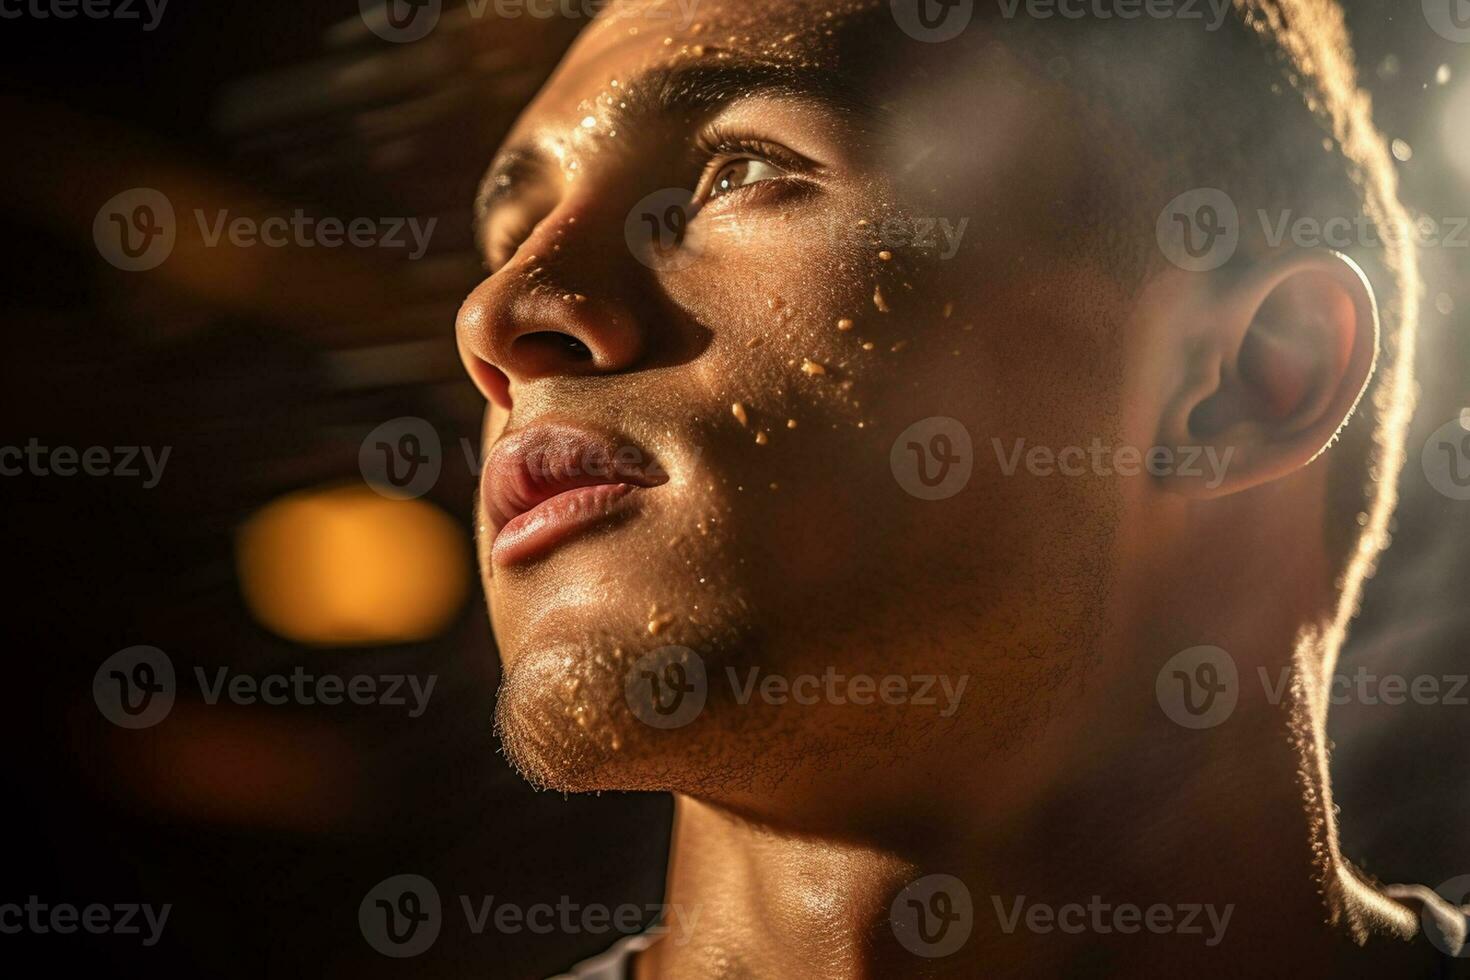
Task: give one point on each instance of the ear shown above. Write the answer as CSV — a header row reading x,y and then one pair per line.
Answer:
x,y
1286,352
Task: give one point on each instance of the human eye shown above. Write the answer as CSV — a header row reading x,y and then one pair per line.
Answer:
x,y
741,165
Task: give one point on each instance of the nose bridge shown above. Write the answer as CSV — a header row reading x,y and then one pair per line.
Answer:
x,y
563,305
581,246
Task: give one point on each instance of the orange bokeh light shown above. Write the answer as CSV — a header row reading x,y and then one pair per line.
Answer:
x,y
348,567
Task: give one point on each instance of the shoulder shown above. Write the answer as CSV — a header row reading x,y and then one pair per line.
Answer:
x,y
1411,926
1443,925
616,963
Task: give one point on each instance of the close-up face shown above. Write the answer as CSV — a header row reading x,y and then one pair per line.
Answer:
x,y
629,489
754,276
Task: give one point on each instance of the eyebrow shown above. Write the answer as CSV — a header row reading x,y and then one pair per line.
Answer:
x,y
671,91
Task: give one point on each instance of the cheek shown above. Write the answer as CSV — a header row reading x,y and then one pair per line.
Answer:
x,y
828,349
806,305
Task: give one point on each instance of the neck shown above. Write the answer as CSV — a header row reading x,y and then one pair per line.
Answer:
x,y
1178,849
1110,839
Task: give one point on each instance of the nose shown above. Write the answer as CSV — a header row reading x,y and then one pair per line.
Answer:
x,y
562,306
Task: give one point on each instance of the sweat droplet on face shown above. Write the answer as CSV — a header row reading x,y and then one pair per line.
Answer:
x,y
879,300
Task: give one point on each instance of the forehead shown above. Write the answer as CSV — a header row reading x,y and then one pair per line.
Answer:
x,y
631,39
960,119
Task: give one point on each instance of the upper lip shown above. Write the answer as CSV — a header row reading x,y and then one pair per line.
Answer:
x,y
545,459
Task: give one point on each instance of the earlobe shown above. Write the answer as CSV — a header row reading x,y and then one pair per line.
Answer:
x,y
1288,351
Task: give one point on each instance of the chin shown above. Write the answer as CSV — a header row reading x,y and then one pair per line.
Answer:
x,y
569,721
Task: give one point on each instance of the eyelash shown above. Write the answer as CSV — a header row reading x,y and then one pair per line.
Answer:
x,y
724,148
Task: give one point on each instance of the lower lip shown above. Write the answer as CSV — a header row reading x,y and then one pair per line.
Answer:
x,y
536,532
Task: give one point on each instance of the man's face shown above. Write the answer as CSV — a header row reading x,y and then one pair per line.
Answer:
x,y
759,255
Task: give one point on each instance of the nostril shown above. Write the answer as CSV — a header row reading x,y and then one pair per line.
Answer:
x,y
493,383
550,348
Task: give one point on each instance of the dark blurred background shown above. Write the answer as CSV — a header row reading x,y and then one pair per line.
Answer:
x,y
264,370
